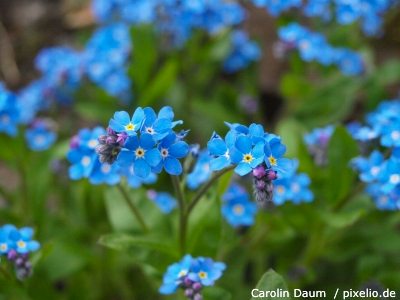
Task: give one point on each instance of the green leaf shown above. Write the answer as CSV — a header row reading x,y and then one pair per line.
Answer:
x,y
342,219
161,84
341,149
271,281
125,242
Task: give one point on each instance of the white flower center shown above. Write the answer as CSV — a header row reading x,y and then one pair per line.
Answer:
x,y
375,170
105,168
395,179
86,161
238,209
92,143
395,135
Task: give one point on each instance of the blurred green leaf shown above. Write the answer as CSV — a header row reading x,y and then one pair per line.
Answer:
x,y
341,149
271,281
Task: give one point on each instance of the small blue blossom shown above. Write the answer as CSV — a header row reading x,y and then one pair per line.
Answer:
x,y
206,271
243,53
159,126
9,112
237,208
171,150
140,151
23,242
294,188
39,136
370,168
104,173
246,156
201,171
175,274
274,151
165,202
122,122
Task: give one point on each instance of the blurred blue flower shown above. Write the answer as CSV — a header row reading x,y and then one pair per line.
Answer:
x,y
369,168
237,208
104,173
39,136
276,7
201,171
163,200
243,53
9,112
23,242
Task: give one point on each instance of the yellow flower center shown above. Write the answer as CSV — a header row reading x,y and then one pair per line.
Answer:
x,y
139,152
130,126
272,160
182,273
92,143
203,275
86,161
247,158
21,244
3,247
238,209
280,189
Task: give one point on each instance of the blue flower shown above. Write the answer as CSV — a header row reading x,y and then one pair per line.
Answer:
x,y
370,169
294,188
9,112
243,52
171,150
219,149
142,153
201,171
122,122
159,126
175,274
206,271
39,137
390,175
104,173
163,200
23,242
246,156
8,233
237,209
391,135
274,151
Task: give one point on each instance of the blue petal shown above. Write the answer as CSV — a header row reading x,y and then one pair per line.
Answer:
x,y
132,143
153,157
122,117
150,116
26,233
179,149
146,141
33,246
166,112
243,144
116,126
217,147
219,163
141,168
138,116
162,125
172,166
243,169
236,155
258,150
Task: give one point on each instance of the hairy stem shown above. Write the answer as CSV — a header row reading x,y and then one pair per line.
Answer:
x,y
133,207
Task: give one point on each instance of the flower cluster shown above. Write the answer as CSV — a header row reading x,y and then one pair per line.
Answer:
x,y
237,208
16,244
381,170
294,188
191,275
314,47
173,18
251,149
368,12
145,142
244,52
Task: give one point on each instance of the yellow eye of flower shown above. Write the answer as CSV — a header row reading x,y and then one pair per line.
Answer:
x,y
202,275
130,126
21,244
139,152
238,209
280,189
272,161
247,158
182,273
3,247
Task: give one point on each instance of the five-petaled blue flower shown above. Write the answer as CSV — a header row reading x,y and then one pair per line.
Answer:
x,y
206,271
175,274
246,156
122,122
140,151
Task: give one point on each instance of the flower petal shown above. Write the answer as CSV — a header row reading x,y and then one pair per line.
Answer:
x,y
179,149
172,166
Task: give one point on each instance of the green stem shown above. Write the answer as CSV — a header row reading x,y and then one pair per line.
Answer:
x,y
133,207
196,198
183,217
